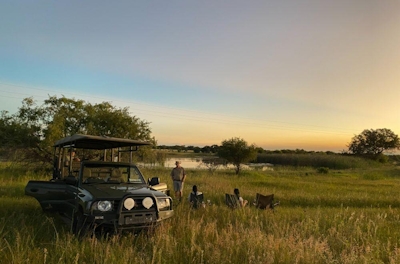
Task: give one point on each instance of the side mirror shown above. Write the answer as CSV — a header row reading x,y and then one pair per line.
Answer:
x,y
154,181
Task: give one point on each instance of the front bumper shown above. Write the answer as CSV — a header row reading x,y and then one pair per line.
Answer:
x,y
133,212
131,220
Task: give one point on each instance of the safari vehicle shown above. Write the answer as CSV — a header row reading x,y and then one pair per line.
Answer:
x,y
109,194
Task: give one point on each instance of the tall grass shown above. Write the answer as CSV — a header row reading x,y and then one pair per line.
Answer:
x,y
332,161
345,216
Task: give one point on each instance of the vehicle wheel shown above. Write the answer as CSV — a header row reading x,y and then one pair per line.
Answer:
x,y
80,225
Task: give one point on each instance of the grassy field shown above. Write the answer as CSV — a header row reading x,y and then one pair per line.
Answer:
x,y
345,216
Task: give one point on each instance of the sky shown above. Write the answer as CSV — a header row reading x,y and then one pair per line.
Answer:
x,y
307,74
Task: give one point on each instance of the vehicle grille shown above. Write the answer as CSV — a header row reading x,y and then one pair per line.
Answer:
x,y
138,215
119,204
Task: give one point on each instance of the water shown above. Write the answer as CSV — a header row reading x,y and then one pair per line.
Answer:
x,y
196,163
189,163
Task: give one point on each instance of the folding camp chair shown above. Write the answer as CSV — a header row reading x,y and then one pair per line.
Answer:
x,y
265,201
231,201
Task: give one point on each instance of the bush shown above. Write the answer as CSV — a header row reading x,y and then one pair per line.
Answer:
x,y
382,158
323,170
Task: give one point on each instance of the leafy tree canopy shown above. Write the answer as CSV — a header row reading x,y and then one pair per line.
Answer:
x,y
236,151
374,142
34,129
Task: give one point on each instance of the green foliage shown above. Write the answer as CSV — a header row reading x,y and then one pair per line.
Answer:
x,y
323,170
381,158
236,151
34,129
374,142
16,133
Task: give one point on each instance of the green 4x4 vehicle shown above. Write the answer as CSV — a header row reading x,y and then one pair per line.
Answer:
x,y
109,194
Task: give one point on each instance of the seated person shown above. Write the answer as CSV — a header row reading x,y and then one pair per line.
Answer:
x,y
72,155
242,202
195,198
72,162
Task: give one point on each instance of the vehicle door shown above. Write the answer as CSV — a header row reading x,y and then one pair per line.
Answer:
x,y
53,196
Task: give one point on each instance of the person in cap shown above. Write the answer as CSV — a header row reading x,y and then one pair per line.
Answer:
x,y
178,176
72,155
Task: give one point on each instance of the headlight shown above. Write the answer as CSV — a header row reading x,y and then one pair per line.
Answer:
x,y
104,206
129,203
163,203
147,202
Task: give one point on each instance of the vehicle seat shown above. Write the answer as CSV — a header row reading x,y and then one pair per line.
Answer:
x,y
87,174
71,180
116,176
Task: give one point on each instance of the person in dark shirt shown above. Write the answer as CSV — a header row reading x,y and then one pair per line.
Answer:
x,y
196,198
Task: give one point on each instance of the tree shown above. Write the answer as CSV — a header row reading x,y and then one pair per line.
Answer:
x,y
212,164
206,149
236,151
374,142
34,129
214,148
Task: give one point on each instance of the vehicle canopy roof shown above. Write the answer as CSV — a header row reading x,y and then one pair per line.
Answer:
x,y
97,142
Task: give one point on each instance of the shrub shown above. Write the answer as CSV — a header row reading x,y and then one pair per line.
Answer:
x,y
382,158
323,170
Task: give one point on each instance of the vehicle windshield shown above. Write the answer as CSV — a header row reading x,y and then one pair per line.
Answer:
x,y
111,174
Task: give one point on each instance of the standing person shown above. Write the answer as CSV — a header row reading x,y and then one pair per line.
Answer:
x,y
178,176
242,202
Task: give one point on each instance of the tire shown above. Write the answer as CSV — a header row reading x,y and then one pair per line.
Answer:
x,y
80,225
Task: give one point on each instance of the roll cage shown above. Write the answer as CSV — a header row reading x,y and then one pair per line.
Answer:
x,y
103,147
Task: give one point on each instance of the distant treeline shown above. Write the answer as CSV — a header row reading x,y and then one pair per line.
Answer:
x,y
183,148
318,160
215,148
300,157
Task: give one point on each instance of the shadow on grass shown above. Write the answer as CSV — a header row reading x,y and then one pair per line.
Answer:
x,y
26,216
